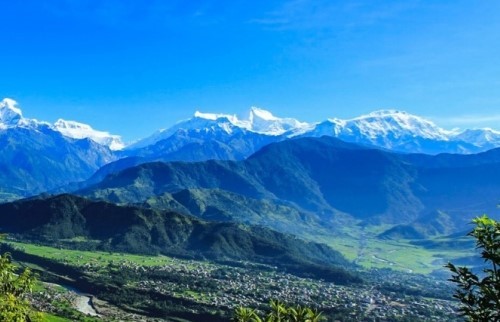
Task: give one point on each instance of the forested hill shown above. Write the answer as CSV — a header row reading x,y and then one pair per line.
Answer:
x,y
326,176
78,222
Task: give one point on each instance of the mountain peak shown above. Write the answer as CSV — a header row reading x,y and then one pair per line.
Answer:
x,y
10,114
397,123
257,120
78,130
212,116
387,112
482,137
64,124
263,121
392,114
259,113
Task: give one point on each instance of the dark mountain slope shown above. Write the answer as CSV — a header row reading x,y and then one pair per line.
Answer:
x,y
205,144
137,183
447,160
222,205
432,224
133,229
327,177
35,160
191,145
327,172
323,175
470,190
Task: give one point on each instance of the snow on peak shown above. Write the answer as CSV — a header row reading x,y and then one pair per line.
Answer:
x,y
258,113
388,128
76,130
257,120
61,124
479,137
233,119
396,123
10,114
264,122
385,113
209,116
382,123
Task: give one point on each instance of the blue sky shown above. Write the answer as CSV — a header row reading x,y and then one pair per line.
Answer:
x,y
131,67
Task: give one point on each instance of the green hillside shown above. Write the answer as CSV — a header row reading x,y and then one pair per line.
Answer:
x,y
76,222
326,177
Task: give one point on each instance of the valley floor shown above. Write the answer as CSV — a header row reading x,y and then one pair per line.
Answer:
x,y
163,287
363,246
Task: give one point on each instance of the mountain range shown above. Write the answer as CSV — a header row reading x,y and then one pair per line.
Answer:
x,y
208,136
221,178
389,129
39,156
327,177
36,157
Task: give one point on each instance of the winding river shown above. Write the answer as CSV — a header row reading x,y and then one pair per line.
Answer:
x,y
82,302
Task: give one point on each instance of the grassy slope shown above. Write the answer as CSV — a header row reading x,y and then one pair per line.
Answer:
x,y
79,257
53,318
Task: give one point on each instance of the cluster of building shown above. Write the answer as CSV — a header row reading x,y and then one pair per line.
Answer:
x,y
231,287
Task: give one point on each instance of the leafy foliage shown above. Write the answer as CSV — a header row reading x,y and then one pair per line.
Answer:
x,y
279,312
480,297
13,290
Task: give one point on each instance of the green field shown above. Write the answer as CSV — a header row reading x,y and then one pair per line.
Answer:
x,y
398,254
52,318
373,253
78,257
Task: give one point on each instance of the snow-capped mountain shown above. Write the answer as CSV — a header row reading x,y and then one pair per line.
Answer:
x,y
257,121
12,116
209,136
380,125
35,157
485,138
389,129
392,123
264,122
78,130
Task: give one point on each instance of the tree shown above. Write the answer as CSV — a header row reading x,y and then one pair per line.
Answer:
x,y
243,314
13,290
480,297
279,312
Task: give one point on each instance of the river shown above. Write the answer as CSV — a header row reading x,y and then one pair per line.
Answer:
x,y
82,302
